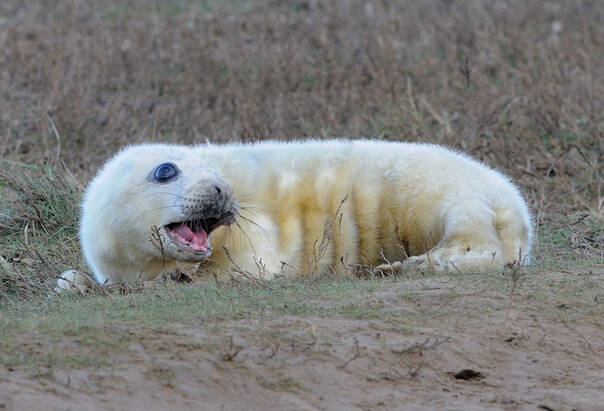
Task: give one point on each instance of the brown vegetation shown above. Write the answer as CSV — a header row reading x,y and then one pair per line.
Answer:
x,y
517,84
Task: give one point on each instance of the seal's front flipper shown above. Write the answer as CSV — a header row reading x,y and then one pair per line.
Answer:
x,y
72,280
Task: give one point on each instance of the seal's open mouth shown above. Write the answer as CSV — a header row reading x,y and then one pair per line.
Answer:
x,y
193,233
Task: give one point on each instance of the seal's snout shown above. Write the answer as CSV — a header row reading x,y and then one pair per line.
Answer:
x,y
211,199
205,206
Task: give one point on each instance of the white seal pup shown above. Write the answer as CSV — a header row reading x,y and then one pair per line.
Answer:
x,y
299,208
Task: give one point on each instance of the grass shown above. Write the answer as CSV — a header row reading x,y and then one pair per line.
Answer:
x,y
281,383
105,321
38,228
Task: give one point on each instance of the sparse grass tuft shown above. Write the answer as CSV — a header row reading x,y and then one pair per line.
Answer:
x,y
38,228
281,383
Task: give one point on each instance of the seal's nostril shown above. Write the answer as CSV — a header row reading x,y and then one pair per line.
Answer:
x,y
218,190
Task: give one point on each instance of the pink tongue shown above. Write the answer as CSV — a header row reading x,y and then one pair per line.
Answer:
x,y
198,240
185,232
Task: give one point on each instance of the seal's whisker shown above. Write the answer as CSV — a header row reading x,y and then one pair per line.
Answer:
x,y
244,198
244,204
246,236
262,230
253,210
229,235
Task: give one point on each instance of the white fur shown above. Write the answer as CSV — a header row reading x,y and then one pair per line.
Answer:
x,y
442,207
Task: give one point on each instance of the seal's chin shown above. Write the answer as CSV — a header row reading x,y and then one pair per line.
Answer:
x,y
189,239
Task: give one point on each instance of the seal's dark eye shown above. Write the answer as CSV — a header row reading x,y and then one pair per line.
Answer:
x,y
165,172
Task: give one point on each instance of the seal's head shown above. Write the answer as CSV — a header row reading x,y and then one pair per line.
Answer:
x,y
149,204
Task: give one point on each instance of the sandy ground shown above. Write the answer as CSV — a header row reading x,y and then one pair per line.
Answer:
x,y
507,359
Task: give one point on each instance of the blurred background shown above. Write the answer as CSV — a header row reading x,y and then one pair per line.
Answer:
x,y
516,84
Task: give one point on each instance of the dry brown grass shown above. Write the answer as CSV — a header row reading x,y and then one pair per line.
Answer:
x,y
516,84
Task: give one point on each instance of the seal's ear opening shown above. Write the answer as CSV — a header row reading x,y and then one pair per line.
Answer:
x,y
164,173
